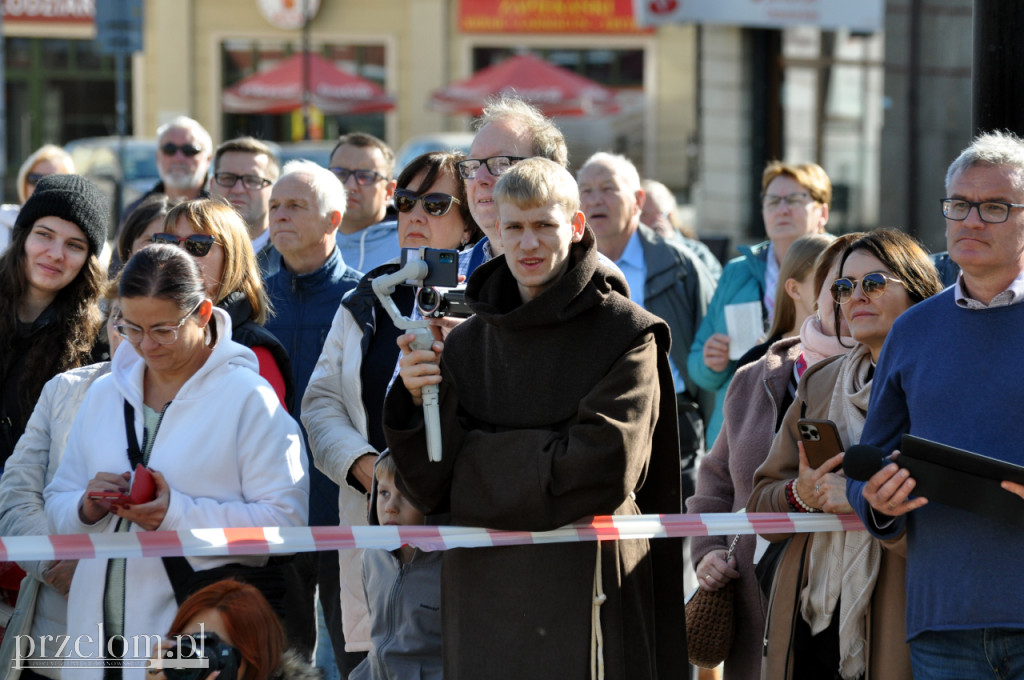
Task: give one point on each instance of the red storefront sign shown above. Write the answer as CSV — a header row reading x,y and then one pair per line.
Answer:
x,y
547,16
52,11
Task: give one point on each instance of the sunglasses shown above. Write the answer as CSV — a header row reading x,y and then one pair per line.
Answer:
x,y
33,178
435,204
364,178
189,150
196,245
872,284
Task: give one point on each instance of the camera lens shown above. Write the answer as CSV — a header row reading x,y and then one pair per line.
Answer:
x,y
428,300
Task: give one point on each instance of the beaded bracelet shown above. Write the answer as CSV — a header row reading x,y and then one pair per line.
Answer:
x,y
794,500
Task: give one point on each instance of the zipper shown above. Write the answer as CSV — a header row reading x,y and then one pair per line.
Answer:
x,y
392,610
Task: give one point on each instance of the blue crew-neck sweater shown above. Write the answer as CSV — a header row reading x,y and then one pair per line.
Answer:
x,y
954,376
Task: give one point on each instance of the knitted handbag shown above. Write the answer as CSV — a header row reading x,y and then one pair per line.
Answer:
x,y
710,622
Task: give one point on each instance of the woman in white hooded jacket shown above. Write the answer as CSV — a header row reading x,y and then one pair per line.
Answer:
x,y
222,450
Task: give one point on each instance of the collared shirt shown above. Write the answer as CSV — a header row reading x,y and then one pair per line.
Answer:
x,y
771,281
260,241
1011,296
632,265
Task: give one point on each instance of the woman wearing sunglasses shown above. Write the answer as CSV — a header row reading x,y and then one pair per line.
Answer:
x,y
837,604
48,159
189,403
213,233
342,405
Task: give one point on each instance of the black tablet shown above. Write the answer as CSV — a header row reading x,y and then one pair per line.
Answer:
x,y
962,479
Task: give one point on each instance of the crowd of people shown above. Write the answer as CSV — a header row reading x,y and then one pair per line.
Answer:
x,y
249,375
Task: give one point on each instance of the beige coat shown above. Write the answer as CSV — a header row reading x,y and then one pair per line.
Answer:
x,y
888,653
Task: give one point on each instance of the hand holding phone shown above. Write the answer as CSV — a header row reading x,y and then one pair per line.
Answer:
x,y
821,441
142,490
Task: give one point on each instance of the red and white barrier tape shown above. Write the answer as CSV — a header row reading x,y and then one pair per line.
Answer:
x,y
273,540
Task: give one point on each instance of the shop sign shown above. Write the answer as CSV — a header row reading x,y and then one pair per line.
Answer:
x,y
547,16
58,11
288,14
855,15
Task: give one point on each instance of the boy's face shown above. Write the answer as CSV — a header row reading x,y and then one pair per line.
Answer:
x,y
394,509
536,243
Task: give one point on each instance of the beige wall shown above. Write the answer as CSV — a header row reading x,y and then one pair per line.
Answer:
x,y
180,71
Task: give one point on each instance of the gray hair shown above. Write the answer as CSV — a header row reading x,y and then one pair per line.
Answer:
x,y
198,131
329,192
619,165
660,195
548,140
1000,147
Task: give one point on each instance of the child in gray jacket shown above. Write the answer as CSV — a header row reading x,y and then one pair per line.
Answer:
x,y
403,591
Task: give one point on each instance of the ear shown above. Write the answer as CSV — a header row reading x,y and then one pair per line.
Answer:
x,y
390,188
792,289
641,198
579,225
824,217
205,312
335,217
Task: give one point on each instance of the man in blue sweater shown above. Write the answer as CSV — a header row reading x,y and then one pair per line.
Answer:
x,y
306,206
950,372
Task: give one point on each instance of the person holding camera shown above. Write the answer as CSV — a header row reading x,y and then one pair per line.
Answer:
x,y
556,403
187,402
341,409
233,626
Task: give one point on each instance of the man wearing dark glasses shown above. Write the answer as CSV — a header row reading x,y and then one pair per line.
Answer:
x,y
244,170
950,372
183,151
368,235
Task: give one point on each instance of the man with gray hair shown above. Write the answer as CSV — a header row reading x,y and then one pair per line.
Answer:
x,y
306,207
509,130
950,372
183,151
664,278
244,170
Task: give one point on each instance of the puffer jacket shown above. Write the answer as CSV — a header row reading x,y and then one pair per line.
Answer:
x,y
28,471
336,425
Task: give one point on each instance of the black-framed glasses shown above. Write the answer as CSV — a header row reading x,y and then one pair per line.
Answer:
x,y
161,335
496,165
230,179
364,178
189,150
872,284
794,199
993,212
435,203
196,245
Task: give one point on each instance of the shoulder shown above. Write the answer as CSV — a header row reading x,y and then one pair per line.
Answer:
x,y
818,380
658,249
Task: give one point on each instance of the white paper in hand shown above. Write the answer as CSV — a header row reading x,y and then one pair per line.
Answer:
x,y
744,326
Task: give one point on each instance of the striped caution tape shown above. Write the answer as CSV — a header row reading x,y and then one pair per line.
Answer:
x,y
278,540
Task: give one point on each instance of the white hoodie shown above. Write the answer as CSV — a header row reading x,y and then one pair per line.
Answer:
x,y
231,455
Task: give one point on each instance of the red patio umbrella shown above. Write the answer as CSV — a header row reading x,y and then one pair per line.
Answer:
x,y
279,90
554,90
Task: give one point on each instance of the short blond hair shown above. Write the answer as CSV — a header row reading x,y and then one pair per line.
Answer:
x,y
538,181
241,272
810,176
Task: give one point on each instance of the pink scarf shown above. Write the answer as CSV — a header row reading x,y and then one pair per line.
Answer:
x,y
818,345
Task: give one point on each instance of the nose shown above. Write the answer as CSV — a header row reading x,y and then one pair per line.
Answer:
x,y
351,181
529,240
974,217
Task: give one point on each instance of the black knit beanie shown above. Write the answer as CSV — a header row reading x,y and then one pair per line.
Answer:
x,y
72,198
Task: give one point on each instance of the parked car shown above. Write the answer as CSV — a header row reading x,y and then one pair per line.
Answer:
x,y
438,141
123,173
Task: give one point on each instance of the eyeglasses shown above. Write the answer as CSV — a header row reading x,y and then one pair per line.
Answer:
x,y
436,204
230,179
872,284
364,178
196,245
189,150
792,200
993,212
496,165
34,177
161,335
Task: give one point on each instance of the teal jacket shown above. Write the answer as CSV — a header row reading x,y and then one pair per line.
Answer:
x,y
742,280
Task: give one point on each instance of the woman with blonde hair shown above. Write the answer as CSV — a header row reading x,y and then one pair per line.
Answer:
x,y
216,236
48,159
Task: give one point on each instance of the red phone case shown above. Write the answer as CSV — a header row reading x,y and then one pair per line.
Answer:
x,y
143,490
